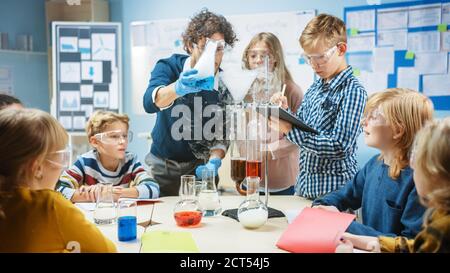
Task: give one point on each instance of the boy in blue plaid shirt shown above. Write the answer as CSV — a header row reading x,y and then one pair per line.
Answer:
x,y
333,105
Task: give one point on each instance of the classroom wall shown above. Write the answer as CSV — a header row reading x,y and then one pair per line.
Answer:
x,y
29,71
142,10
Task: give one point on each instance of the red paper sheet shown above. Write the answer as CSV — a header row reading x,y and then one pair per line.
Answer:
x,y
315,231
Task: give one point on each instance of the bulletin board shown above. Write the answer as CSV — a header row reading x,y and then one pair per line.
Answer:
x,y
402,44
154,40
87,67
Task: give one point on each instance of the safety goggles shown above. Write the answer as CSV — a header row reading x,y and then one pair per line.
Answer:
x,y
374,118
222,46
114,137
319,59
60,158
256,55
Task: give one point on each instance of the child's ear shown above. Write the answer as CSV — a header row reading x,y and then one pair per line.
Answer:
x,y
93,141
398,131
37,169
342,49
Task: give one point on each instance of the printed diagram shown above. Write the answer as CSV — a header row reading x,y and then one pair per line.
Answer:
x,y
69,101
101,99
104,47
69,44
87,77
70,72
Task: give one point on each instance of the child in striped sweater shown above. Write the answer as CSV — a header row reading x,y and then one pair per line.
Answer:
x,y
108,162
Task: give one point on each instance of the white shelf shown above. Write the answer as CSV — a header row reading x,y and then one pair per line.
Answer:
x,y
22,52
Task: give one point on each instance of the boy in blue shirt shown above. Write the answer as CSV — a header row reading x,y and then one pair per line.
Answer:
x,y
333,106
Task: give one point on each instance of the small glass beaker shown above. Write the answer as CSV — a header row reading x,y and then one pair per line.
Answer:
x,y
126,219
105,211
187,212
209,196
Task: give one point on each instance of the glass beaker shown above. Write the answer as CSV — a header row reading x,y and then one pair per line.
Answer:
x,y
252,213
187,212
209,196
126,219
105,211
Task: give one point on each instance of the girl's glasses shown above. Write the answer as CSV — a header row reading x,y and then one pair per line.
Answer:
x,y
60,158
374,118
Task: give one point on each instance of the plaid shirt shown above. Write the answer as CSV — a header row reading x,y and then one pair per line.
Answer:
x,y
334,109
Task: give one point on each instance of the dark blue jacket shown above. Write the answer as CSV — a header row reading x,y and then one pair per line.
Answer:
x,y
167,71
389,207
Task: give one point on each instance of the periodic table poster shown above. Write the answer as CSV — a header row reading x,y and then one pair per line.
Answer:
x,y
86,71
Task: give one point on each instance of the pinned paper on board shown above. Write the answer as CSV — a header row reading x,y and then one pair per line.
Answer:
x,y
383,59
92,71
69,101
424,15
361,20
70,72
315,231
395,18
396,38
408,77
424,41
431,63
68,44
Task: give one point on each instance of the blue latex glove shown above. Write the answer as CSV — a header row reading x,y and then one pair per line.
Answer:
x,y
213,164
187,83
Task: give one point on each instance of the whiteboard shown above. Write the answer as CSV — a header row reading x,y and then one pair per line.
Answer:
x,y
154,40
86,60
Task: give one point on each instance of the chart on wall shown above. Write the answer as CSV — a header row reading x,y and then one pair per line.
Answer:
x,y
405,44
87,71
154,40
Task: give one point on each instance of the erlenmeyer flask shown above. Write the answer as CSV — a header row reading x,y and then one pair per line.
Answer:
x,y
206,66
209,196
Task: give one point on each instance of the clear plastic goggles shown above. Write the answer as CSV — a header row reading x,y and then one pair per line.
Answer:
x,y
319,59
60,158
374,118
222,46
114,137
256,56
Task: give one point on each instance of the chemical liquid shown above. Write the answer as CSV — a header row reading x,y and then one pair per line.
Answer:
x,y
188,218
253,168
253,218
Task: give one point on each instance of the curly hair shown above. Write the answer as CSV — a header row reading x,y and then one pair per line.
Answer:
x,y
205,24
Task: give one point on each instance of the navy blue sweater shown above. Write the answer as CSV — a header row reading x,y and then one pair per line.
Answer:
x,y
167,71
389,207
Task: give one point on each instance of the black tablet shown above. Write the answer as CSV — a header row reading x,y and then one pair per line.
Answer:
x,y
286,116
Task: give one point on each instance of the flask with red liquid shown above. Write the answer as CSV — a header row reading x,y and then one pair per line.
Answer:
x,y
187,211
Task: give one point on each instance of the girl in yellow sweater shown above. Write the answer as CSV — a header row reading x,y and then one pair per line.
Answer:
x,y
430,160
34,217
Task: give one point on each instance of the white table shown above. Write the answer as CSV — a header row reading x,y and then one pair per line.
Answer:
x,y
218,233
